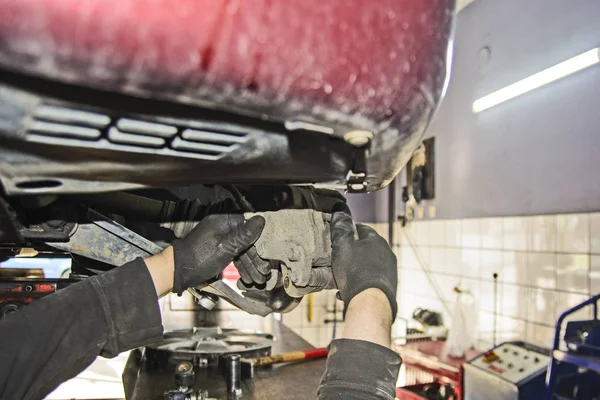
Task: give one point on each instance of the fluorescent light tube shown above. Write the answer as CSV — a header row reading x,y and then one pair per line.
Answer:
x,y
565,68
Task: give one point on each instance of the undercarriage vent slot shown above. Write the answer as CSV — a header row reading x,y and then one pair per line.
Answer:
x,y
72,117
116,136
212,137
63,130
206,148
146,128
55,125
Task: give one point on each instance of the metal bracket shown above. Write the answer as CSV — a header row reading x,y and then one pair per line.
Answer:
x,y
299,240
222,290
104,240
355,182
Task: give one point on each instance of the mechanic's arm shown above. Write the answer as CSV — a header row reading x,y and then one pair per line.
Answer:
x,y
360,364
58,336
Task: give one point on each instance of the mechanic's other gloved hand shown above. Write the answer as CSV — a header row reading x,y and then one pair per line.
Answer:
x,y
361,263
211,246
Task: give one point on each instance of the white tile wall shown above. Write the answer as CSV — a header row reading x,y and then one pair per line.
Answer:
x,y
491,233
573,233
594,274
515,233
541,305
510,329
453,235
454,261
471,262
422,233
542,233
437,233
545,265
491,263
572,273
408,258
515,301
439,262
595,233
541,270
542,335
471,233
486,326
514,268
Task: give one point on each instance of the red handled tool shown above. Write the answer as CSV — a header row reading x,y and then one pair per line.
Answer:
x,y
248,364
289,357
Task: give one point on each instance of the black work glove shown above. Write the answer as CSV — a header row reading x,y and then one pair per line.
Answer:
x,y
253,269
363,263
211,246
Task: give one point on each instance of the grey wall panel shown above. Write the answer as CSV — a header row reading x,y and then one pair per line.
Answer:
x,y
536,154
369,207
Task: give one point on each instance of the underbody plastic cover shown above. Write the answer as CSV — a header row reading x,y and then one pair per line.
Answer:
x,y
311,68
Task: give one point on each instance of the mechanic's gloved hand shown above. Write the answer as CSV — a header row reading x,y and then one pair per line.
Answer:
x,y
253,269
211,246
361,263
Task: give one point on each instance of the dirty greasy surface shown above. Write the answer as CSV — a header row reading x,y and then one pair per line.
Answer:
x,y
341,65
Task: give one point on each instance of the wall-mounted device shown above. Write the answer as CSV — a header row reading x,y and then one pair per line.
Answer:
x,y
420,173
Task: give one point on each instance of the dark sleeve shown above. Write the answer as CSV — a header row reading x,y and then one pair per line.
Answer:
x,y
58,336
357,369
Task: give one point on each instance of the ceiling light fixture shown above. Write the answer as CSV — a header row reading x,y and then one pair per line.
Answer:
x,y
565,68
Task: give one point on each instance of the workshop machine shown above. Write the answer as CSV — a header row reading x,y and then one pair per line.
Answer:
x,y
574,371
511,370
214,363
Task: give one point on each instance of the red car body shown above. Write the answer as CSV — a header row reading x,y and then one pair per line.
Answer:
x,y
310,67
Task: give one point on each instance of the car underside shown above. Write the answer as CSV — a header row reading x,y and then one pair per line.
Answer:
x,y
122,123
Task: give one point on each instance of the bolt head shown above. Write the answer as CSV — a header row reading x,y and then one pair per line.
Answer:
x,y
207,303
184,366
357,186
358,138
286,282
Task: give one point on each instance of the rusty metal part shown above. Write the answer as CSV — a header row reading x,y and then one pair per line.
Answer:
x,y
34,224
299,240
102,239
222,290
